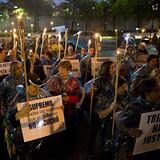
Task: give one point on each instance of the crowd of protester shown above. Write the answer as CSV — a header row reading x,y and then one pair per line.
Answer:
x,y
138,92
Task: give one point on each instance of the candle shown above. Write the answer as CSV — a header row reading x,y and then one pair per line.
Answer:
x,y
66,40
89,44
43,38
59,45
77,41
116,38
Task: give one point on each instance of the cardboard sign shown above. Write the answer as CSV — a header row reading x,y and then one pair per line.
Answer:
x,y
150,139
45,118
75,67
99,61
4,68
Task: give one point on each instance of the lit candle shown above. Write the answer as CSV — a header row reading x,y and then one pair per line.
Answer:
x,y
89,44
59,45
77,41
116,38
43,38
143,30
97,45
66,41
118,65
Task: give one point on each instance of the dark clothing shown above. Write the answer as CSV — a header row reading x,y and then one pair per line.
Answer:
x,y
130,118
71,88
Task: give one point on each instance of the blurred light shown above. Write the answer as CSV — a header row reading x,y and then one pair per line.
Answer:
x,y
14,30
15,7
118,52
5,31
97,35
137,29
49,36
77,24
19,16
89,42
12,23
51,22
40,123
32,25
143,30
29,34
115,30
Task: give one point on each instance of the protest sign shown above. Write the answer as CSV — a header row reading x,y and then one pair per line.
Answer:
x,y
75,67
45,118
4,68
150,139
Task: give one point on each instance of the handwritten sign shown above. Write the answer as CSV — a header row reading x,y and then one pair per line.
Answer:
x,y
45,118
150,139
4,68
75,67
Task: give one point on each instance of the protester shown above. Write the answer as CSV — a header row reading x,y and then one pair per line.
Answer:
x,y
69,87
148,94
145,70
102,100
8,101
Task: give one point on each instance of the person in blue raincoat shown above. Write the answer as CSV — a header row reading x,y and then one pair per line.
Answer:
x,y
148,95
144,71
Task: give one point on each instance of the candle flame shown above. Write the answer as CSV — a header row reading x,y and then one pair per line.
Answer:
x,y
19,16
143,30
89,42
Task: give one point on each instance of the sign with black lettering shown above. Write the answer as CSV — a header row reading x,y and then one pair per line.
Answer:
x,y
45,118
150,139
4,68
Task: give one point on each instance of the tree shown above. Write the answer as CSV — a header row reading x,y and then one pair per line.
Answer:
x,y
133,8
78,10
35,8
3,11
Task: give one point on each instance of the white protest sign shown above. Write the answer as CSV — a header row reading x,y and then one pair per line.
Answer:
x,y
99,61
150,139
4,68
75,67
45,118
47,69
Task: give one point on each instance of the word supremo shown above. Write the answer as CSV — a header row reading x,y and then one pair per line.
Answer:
x,y
40,105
